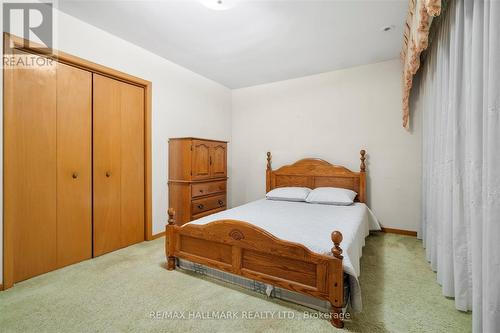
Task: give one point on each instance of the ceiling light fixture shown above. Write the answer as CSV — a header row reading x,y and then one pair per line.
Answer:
x,y
219,4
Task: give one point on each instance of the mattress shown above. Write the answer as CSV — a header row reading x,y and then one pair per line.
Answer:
x,y
311,225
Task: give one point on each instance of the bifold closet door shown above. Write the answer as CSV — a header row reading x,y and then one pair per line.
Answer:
x,y
46,139
74,165
30,167
118,141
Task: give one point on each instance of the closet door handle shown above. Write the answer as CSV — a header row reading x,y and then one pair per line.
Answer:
x,y
75,175
108,174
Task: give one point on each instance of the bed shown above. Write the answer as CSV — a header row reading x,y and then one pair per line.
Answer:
x,y
306,257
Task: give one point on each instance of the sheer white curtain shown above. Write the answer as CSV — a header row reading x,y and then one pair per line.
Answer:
x,y
458,93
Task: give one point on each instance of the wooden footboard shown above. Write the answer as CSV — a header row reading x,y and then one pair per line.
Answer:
x,y
243,249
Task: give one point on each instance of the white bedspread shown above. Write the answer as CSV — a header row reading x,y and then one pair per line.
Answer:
x,y
311,225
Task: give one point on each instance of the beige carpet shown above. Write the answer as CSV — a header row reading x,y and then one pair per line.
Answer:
x,y
119,291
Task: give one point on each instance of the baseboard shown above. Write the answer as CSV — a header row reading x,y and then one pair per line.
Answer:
x,y
161,234
399,231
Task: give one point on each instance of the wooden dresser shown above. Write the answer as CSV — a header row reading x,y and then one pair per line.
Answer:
x,y
197,172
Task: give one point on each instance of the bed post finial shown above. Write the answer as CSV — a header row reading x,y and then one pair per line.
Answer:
x,y
171,216
337,294
362,158
337,239
170,245
269,172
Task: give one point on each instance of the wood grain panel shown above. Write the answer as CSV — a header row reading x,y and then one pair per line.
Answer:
x,y
202,189
218,157
218,252
292,180
74,165
346,182
285,268
205,204
179,159
30,169
200,167
106,164
132,164
179,196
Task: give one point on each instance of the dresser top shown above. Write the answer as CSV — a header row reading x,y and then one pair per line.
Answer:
x,y
193,138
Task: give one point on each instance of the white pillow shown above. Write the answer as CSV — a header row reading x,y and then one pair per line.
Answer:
x,y
289,193
331,196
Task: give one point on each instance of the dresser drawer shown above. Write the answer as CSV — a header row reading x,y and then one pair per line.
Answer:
x,y
209,212
203,205
201,189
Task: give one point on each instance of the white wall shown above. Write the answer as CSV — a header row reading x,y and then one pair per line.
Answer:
x,y
184,103
332,116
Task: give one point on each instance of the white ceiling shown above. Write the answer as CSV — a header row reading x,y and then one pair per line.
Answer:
x,y
256,41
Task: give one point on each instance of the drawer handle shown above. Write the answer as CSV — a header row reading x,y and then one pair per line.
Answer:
x,y
201,191
201,206
221,202
75,175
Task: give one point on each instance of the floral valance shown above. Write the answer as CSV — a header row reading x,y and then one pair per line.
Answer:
x,y
416,39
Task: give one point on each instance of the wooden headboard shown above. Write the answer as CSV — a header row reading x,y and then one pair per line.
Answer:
x,y
314,173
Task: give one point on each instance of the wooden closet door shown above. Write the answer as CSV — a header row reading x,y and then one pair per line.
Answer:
x,y
30,168
200,163
218,160
106,168
132,164
74,165
118,141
